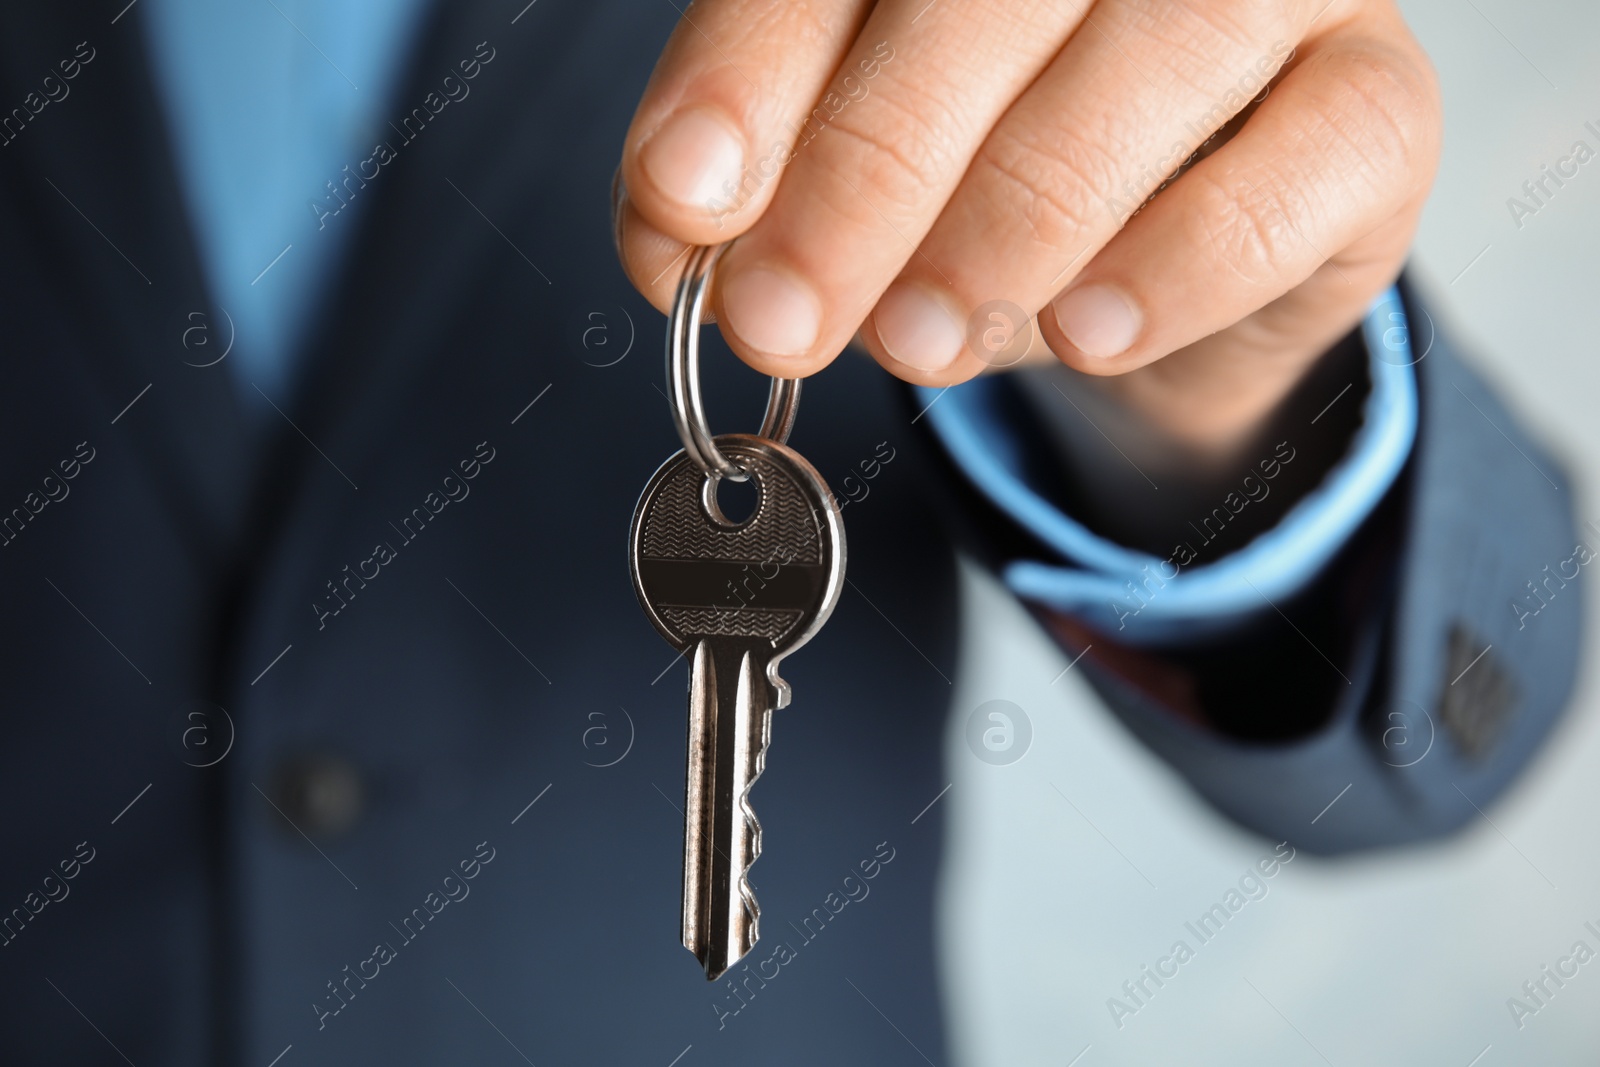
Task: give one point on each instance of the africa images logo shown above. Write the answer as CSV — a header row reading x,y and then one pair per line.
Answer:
x,y
999,732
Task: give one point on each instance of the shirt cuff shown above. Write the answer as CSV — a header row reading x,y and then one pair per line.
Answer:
x,y
1146,599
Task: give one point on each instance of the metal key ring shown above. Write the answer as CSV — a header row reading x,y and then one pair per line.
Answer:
x,y
683,374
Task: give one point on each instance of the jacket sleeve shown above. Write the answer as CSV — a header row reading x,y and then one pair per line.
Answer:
x,y
1396,692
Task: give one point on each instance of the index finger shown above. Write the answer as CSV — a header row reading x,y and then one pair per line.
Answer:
x,y
734,87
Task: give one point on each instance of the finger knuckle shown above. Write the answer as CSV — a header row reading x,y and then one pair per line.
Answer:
x,y
902,159
1205,25
1248,230
1046,186
1379,113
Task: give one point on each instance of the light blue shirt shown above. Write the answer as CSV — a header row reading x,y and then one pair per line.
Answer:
x,y
1146,599
269,101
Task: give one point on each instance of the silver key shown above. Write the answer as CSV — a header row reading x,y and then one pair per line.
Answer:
x,y
736,598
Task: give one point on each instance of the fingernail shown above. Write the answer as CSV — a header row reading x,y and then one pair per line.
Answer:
x,y
916,329
619,196
692,157
772,311
1098,319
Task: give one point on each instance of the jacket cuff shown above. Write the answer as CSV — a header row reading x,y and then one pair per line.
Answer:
x,y
1147,599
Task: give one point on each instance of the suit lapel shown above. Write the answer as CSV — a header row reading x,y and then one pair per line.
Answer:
x,y
461,212
99,214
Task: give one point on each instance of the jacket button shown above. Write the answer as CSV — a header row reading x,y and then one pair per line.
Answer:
x,y
320,793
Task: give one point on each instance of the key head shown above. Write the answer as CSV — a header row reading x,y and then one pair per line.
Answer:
x,y
773,578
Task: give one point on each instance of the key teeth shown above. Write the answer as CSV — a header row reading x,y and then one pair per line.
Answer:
x,y
753,827
781,693
747,896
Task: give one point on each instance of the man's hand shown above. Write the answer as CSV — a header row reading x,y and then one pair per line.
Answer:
x,y
925,175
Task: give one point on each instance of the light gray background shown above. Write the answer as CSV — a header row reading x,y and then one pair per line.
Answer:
x,y
1075,866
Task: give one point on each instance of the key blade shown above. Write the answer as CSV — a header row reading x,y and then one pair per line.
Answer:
x,y
730,717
